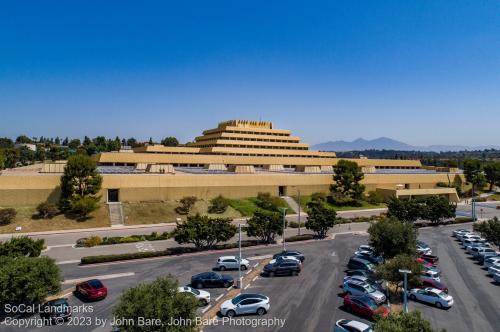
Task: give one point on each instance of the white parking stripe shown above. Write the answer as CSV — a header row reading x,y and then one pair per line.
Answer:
x,y
102,277
254,258
206,309
68,262
218,297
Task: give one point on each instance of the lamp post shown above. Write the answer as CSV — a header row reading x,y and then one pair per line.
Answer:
x,y
299,207
240,277
405,272
283,209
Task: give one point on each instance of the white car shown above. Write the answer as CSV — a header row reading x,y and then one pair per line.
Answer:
x,y
458,232
365,247
282,258
245,304
231,263
431,295
492,270
347,325
496,277
477,244
491,261
202,296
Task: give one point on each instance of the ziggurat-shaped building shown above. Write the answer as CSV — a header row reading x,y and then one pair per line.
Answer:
x,y
237,159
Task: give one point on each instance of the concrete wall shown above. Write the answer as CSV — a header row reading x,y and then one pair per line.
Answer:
x,y
33,189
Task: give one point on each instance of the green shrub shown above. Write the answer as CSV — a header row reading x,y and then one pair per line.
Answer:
x,y
296,238
267,202
318,197
7,216
47,210
375,198
341,200
186,205
294,224
93,241
218,205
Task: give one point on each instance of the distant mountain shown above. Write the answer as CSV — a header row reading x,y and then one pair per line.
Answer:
x,y
385,143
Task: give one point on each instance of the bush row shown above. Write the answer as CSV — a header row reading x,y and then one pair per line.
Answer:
x,y
97,241
303,237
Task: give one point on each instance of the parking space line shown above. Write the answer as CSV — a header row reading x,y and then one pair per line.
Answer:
x,y
256,265
102,277
255,278
247,286
205,309
229,288
218,297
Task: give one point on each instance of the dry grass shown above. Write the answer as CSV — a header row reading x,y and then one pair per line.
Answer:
x,y
98,218
162,212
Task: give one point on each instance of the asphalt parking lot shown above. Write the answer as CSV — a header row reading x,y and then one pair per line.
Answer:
x,y
476,296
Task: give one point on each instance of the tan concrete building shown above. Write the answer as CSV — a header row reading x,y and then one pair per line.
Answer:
x,y
237,159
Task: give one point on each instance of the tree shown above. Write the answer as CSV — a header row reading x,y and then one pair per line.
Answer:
x,y
80,185
347,180
7,216
204,232
74,143
26,156
114,145
320,218
28,280
390,237
132,142
404,322
170,141
57,141
23,139
490,230
86,141
6,143
473,172
187,203
404,210
150,142
65,142
267,202
47,210
492,174
22,246
218,205
438,208
265,225
11,157
157,301
2,160
389,270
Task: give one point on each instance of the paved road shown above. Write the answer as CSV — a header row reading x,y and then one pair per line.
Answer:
x,y
477,298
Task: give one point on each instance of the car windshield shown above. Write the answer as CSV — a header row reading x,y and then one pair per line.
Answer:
x,y
195,291
441,294
95,283
236,300
369,288
371,303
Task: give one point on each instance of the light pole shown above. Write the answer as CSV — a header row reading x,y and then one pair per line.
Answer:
x,y
283,209
473,205
240,277
405,272
298,192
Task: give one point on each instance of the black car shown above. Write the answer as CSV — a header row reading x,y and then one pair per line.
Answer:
x,y
57,310
357,263
211,279
282,267
370,257
293,253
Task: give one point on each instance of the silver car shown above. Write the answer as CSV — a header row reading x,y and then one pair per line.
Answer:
x,y
231,263
202,296
347,325
481,252
245,304
433,296
357,287
491,261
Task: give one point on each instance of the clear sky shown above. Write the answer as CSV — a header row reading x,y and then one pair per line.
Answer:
x,y
421,71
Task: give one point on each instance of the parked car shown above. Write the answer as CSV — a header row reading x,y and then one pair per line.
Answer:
x,y
365,306
429,282
92,289
211,279
481,252
363,273
431,274
294,253
202,296
365,247
459,232
425,263
488,254
348,325
469,237
423,248
495,268
284,258
433,259
378,285
491,261
283,267
245,304
464,235
368,255
231,263
357,263
476,244
55,310
357,287
496,277
431,295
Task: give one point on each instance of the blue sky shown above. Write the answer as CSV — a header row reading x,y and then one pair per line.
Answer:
x,y
424,72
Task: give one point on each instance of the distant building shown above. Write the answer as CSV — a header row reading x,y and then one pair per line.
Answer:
x,y
30,146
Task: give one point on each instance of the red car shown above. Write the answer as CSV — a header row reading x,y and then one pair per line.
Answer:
x,y
92,289
429,282
424,262
365,306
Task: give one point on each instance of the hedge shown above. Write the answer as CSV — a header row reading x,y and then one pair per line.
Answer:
x,y
303,237
96,241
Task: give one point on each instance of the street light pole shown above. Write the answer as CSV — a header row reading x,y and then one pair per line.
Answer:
x,y
405,272
473,205
284,224
240,278
298,190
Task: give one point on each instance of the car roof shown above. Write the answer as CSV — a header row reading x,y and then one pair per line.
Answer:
x,y
227,257
358,325
356,282
434,290
362,260
95,283
252,296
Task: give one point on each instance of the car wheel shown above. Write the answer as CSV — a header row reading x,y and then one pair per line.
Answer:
x,y
412,297
348,293
199,285
261,311
243,267
439,305
222,268
271,274
231,313
348,308
203,302
294,273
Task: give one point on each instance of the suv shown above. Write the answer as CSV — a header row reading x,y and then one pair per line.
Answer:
x,y
378,285
245,304
284,267
358,263
357,288
481,252
369,256
294,253
492,260
423,248
211,279
231,263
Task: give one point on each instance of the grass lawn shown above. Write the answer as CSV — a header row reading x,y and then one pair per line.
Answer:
x,y
494,197
364,205
162,212
99,218
247,206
